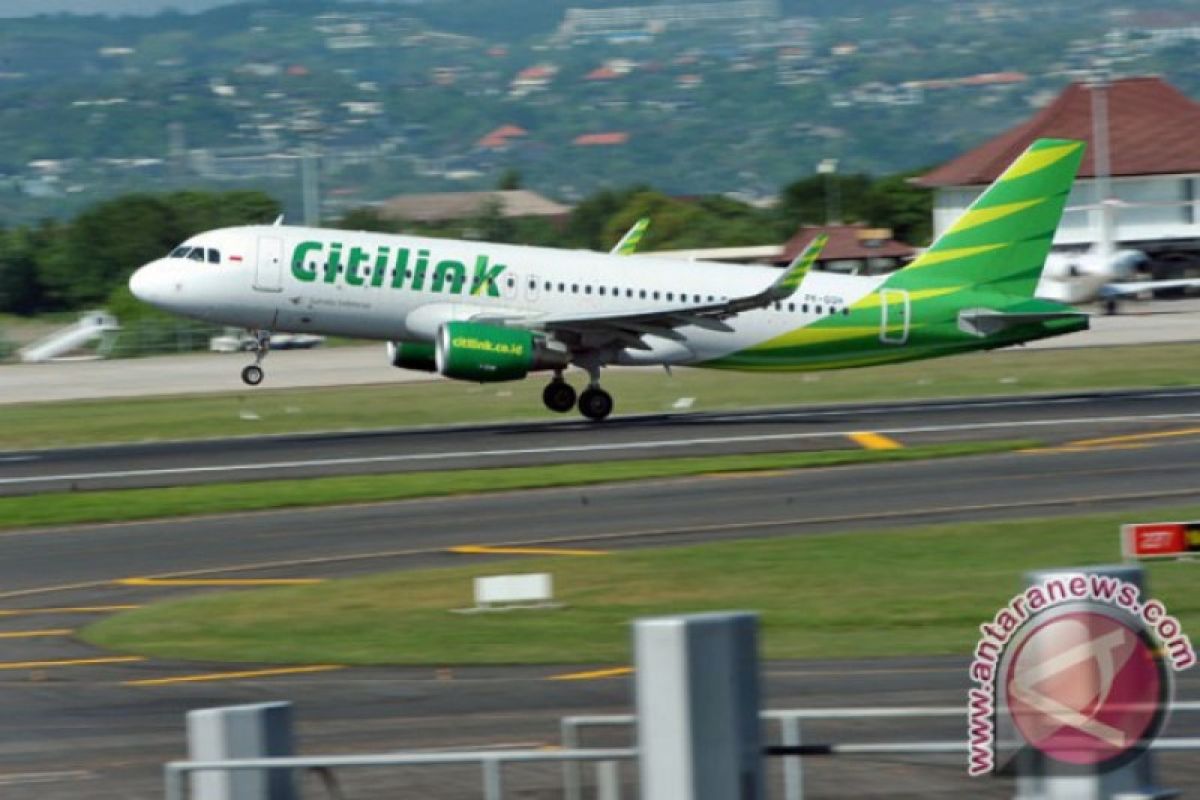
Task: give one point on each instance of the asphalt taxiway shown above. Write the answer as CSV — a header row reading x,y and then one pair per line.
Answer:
x,y
82,722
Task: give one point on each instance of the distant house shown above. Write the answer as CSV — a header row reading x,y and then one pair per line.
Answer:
x,y
1154,164
532,79
501,138
601,139
855,249
448,206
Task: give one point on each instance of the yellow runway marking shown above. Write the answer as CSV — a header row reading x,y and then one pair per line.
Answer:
x,y
479,549
219,581
36,634
596,674
20,612
874,441
232,676
1128,441
71,662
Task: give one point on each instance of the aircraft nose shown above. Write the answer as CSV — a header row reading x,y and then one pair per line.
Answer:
x,y
149,283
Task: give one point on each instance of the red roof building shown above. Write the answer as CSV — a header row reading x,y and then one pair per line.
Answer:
x,y
1154,164
601,139
502,137
1153,129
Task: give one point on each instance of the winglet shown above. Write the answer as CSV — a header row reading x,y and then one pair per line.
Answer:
x,y
793,276
629,242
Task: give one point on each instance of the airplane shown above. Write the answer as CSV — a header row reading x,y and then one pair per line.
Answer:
x,y
483,312
1089,275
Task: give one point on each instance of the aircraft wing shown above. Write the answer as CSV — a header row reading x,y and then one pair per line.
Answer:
x,y
1137,287
627,327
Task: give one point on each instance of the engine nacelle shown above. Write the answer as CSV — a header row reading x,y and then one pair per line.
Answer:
x,y
413,355
471,351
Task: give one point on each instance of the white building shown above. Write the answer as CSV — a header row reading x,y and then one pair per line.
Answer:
x,y
1154,163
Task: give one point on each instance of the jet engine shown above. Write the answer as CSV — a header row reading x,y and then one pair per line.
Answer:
x,y
412,355
471,351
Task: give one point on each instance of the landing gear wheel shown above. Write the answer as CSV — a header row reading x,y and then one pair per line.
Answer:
x,y
252,375
595,403
559,396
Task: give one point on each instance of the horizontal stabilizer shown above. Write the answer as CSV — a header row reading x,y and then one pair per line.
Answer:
x,y
983,322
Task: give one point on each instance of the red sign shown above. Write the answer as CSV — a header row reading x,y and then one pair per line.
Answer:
x,y
1160,539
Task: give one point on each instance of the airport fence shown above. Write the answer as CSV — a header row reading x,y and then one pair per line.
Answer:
x,y
606,781
491,764
792,749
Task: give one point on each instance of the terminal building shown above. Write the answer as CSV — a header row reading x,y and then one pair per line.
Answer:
x,y
1152,198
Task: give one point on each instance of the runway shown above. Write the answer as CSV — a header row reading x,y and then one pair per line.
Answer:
x,y
1052,419
86,723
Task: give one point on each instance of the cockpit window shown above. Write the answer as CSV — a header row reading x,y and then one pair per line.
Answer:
x,y
179,252
197,254
214,256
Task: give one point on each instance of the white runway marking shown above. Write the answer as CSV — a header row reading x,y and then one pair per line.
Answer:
x,y
575,449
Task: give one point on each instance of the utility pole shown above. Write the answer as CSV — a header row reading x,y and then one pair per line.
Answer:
x,y
833,191
310,185
1100,159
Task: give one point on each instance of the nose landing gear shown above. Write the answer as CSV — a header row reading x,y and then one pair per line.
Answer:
x,y
253,374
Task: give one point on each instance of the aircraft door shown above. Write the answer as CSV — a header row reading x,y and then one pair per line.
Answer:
x,y
894,311
268,270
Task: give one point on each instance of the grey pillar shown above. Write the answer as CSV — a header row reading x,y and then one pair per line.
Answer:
x,y
698,706
1039,778
251,731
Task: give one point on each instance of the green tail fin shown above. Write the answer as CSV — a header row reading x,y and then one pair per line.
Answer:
x,y
1000,243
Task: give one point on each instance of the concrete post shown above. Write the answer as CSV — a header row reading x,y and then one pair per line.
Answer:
x,y
698,707
1039,778
251,731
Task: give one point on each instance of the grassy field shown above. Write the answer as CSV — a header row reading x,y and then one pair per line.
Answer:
x,y
133,504
920,591
441,402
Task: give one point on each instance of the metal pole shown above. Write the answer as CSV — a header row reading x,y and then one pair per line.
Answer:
x,y
1100,161
493,780
608,780
174,780
572,774
793,769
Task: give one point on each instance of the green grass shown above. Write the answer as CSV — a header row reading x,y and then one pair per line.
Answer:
x,y
920,591
440,402
133,504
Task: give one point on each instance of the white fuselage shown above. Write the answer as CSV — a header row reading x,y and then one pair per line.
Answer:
x,y
403,288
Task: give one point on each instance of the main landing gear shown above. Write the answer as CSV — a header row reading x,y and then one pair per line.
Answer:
x,y
593,402
253,374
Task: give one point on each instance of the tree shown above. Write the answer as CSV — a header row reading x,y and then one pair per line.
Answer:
x,y
21,290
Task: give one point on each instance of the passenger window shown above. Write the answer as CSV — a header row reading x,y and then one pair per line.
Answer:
x,y
642,294
846,312
587,289
817,309
791,306
601,290
656,295
670,296
214,256
574,288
